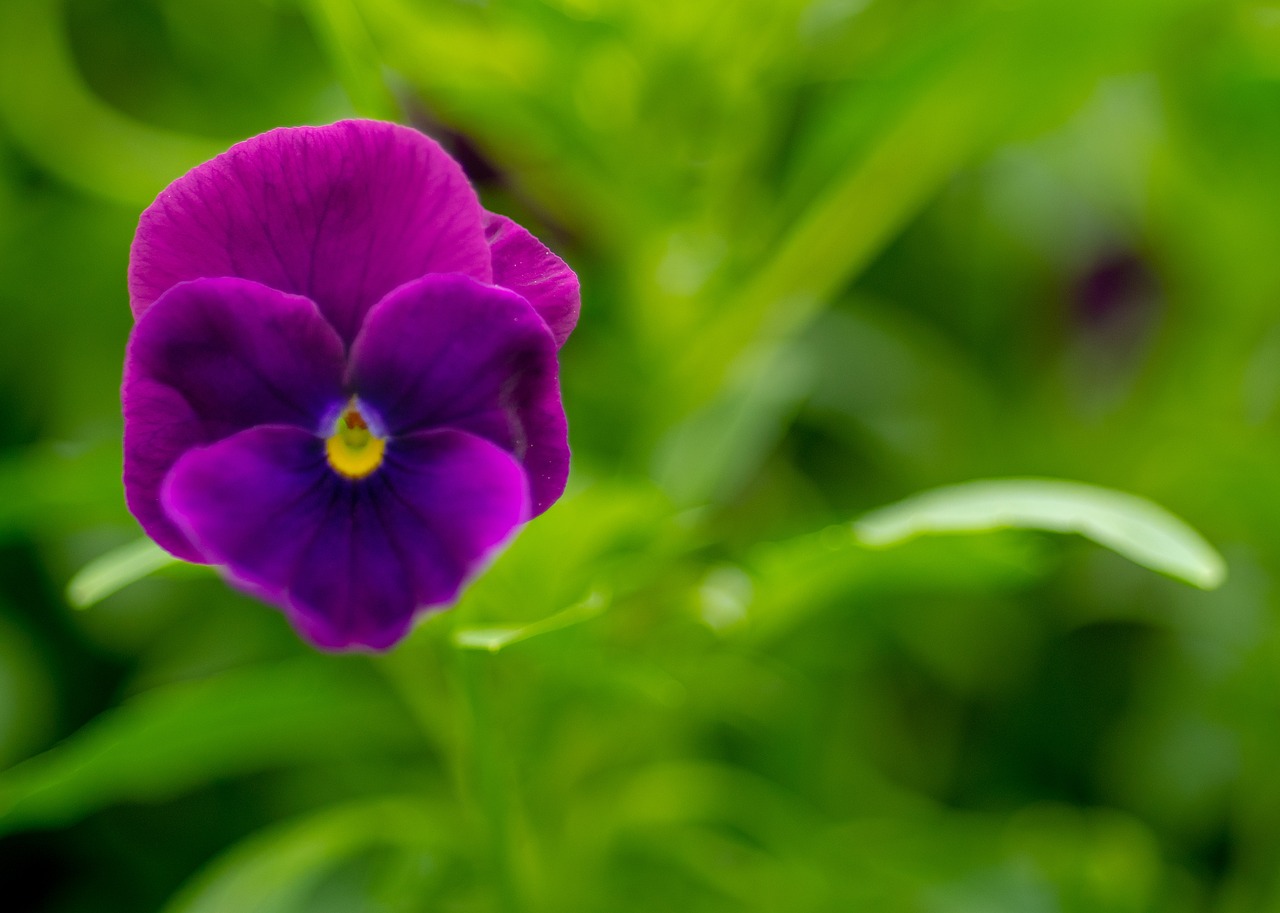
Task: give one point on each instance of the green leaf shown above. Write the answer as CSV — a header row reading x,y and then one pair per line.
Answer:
x,y
115,570
178,737
1129,525
48,487
714,452
341,31
794,578
281,869
601,537
67,129
497,637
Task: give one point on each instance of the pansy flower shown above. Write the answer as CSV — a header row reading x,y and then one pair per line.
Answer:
x,y
341,387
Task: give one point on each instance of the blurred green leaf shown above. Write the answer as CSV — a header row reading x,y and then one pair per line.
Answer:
x,y
180,737
604,537
496,638
1127,524
713,453
27,695
47,486
795,578
281,869
341,30
69,131
115,570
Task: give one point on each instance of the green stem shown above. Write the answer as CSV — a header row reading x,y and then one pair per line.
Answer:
x,y
491,783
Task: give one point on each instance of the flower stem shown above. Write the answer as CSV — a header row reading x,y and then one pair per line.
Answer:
x,y
492,783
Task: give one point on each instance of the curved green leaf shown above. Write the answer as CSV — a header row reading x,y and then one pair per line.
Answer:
x,y
497,637
115,570
1131,526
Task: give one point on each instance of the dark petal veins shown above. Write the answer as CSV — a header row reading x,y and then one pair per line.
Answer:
x,y
351,563
342,214
523,264
448,352
210,358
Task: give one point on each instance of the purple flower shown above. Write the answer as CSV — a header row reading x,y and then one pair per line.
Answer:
x,y
342,384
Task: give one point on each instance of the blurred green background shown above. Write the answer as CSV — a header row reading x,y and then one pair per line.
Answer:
x,y
833,253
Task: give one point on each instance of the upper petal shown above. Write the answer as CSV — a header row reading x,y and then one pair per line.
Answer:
x,y
523,264
352,563
342,214
448,352
210,358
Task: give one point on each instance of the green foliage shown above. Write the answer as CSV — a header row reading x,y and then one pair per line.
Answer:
x,y
1132,526
115,570
835,255
179,736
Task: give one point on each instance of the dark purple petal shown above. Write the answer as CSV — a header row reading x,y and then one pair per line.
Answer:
x,y
448,352
523,264
342,214
351,563
210,358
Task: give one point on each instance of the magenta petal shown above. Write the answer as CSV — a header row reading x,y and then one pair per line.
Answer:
x,y
448,352
351,563
342,214
210,358
523,264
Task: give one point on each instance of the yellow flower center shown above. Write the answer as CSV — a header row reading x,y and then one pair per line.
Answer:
x,y
353,450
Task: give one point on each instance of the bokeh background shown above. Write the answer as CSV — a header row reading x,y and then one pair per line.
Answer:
x,y
833,253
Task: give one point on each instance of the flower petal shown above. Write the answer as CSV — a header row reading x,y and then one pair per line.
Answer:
x,y
342,214
210,358
523,264
448,352
351,563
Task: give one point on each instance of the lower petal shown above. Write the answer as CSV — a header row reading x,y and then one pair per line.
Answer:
x,y
251,502
351,562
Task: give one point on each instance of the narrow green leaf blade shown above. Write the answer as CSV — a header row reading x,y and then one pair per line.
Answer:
x,y
1129,525
497,637
115,570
